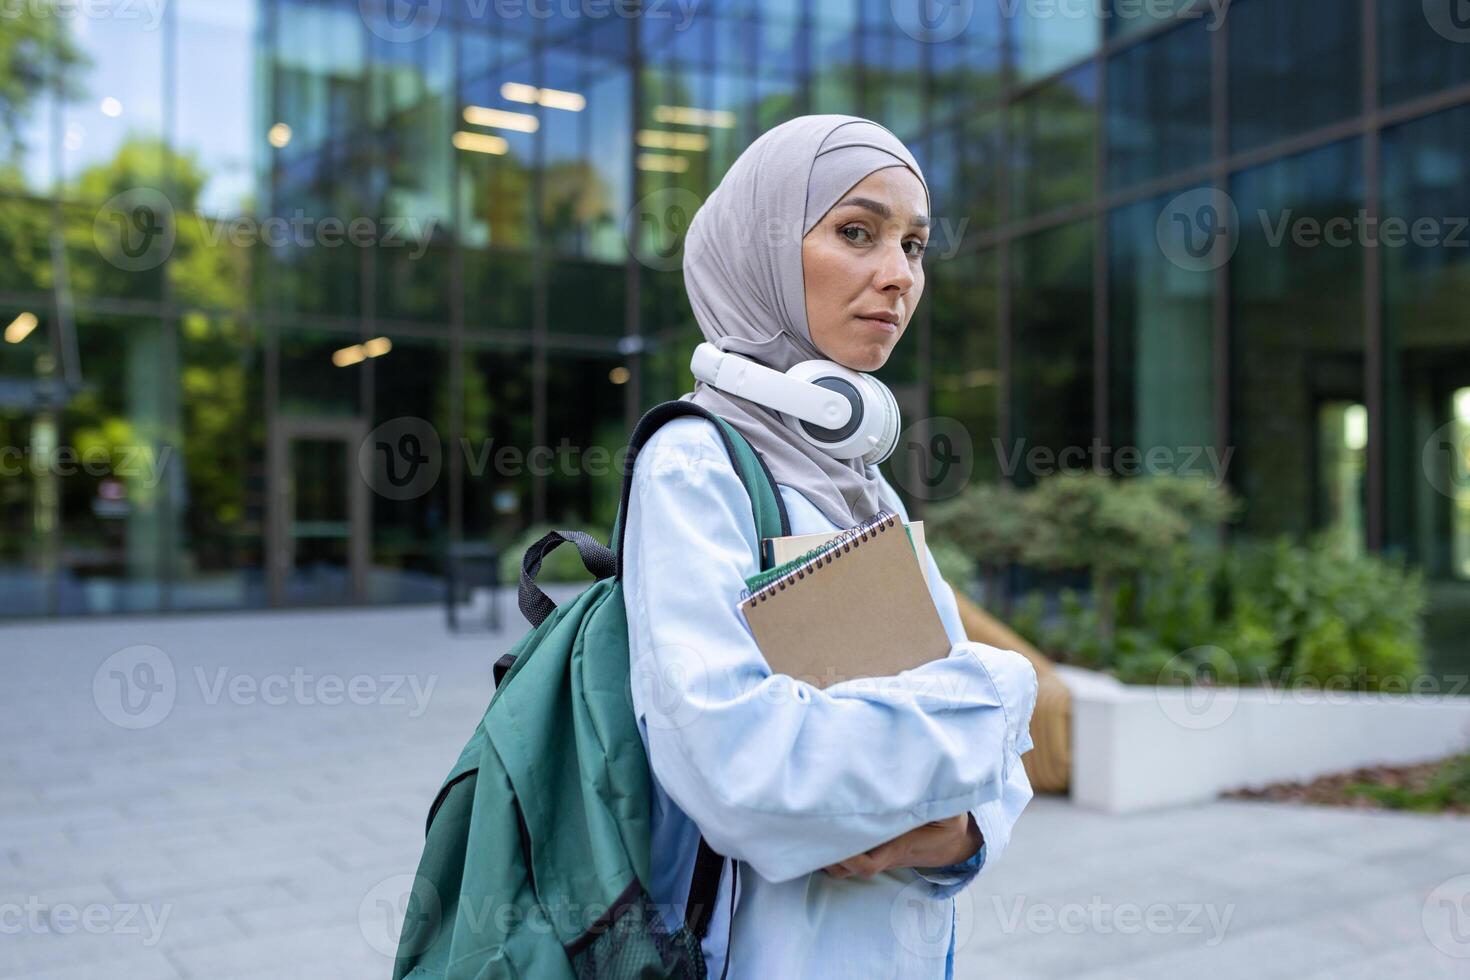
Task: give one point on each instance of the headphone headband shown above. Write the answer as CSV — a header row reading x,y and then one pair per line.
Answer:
x,y
843,412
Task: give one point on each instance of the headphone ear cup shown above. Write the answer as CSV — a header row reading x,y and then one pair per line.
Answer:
x,y
855,398
871,431
887,410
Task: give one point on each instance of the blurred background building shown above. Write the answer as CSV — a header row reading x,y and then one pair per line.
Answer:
x,y
476,208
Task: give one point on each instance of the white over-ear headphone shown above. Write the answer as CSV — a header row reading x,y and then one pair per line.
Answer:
x,y
840,411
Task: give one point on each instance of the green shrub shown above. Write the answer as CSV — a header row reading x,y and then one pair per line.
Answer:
x,y
1341,619
957,568
563,565
1449,786
1165,600
1028,618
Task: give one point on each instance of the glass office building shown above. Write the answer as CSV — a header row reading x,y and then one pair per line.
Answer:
x,y
298,292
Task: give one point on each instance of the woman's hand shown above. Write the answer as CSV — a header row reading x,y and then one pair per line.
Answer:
x,y
936,844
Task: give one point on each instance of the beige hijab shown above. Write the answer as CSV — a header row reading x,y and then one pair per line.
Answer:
x,y
743,274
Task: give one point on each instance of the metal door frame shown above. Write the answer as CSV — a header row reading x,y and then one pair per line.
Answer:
x,y
351,432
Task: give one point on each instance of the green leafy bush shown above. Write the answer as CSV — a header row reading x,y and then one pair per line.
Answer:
x,y
1167,606
957,568
1449,786
563,565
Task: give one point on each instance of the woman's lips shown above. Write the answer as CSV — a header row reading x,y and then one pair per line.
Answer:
x,y
882,325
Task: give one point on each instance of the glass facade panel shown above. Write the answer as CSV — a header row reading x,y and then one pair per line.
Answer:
x,y
965,68
25,243
496,203
1160,349
585,427
29,481
497,433
410,530
1158,109
1049,37
1297,354
587,298
1126,18
965,384
217,480
177,201
1051,349
220,127
311,382
1426,366
1053,132
1423,48
1292,69
116,112
116,519
962,168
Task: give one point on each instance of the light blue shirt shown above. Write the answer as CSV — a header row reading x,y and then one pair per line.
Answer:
x,y
786,778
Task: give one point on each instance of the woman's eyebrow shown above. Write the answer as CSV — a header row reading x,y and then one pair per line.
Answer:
x,y
883,211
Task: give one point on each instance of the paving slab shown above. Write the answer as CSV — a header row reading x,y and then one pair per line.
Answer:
x,y
232,795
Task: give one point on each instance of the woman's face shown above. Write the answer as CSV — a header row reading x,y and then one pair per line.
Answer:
x,y
863,266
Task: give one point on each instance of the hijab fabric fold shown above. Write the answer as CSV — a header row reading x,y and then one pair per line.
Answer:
x,y
743,274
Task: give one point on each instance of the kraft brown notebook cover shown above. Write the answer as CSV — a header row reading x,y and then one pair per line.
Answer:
x,y
792,546
860,608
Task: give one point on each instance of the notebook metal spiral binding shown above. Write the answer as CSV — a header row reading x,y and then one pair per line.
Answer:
x,y
838,546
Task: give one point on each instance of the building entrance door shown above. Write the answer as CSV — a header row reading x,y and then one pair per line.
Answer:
x,y
318,512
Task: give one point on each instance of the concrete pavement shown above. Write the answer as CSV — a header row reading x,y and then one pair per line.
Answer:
x,y
241,795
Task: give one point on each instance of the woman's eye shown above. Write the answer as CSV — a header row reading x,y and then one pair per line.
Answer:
x,y
919,247
857,228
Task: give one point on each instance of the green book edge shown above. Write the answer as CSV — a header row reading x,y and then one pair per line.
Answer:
x,y
761,579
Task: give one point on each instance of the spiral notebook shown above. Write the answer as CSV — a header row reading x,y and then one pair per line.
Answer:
x,y
782,550
854,607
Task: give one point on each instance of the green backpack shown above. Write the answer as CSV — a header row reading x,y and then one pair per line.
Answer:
x,y
536,863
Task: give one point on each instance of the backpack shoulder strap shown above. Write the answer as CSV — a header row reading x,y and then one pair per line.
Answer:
x,y
771,520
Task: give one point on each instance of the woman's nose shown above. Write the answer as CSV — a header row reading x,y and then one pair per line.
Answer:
x,y
895,271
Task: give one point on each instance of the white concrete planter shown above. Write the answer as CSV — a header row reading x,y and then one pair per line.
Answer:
x,y
1136,747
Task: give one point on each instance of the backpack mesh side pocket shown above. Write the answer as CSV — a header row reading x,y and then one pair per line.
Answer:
x,y
631,942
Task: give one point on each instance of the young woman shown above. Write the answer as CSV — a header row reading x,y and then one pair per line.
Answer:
x,y
850,815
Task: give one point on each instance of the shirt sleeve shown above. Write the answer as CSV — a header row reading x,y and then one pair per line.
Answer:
x,y
776,772
995,818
